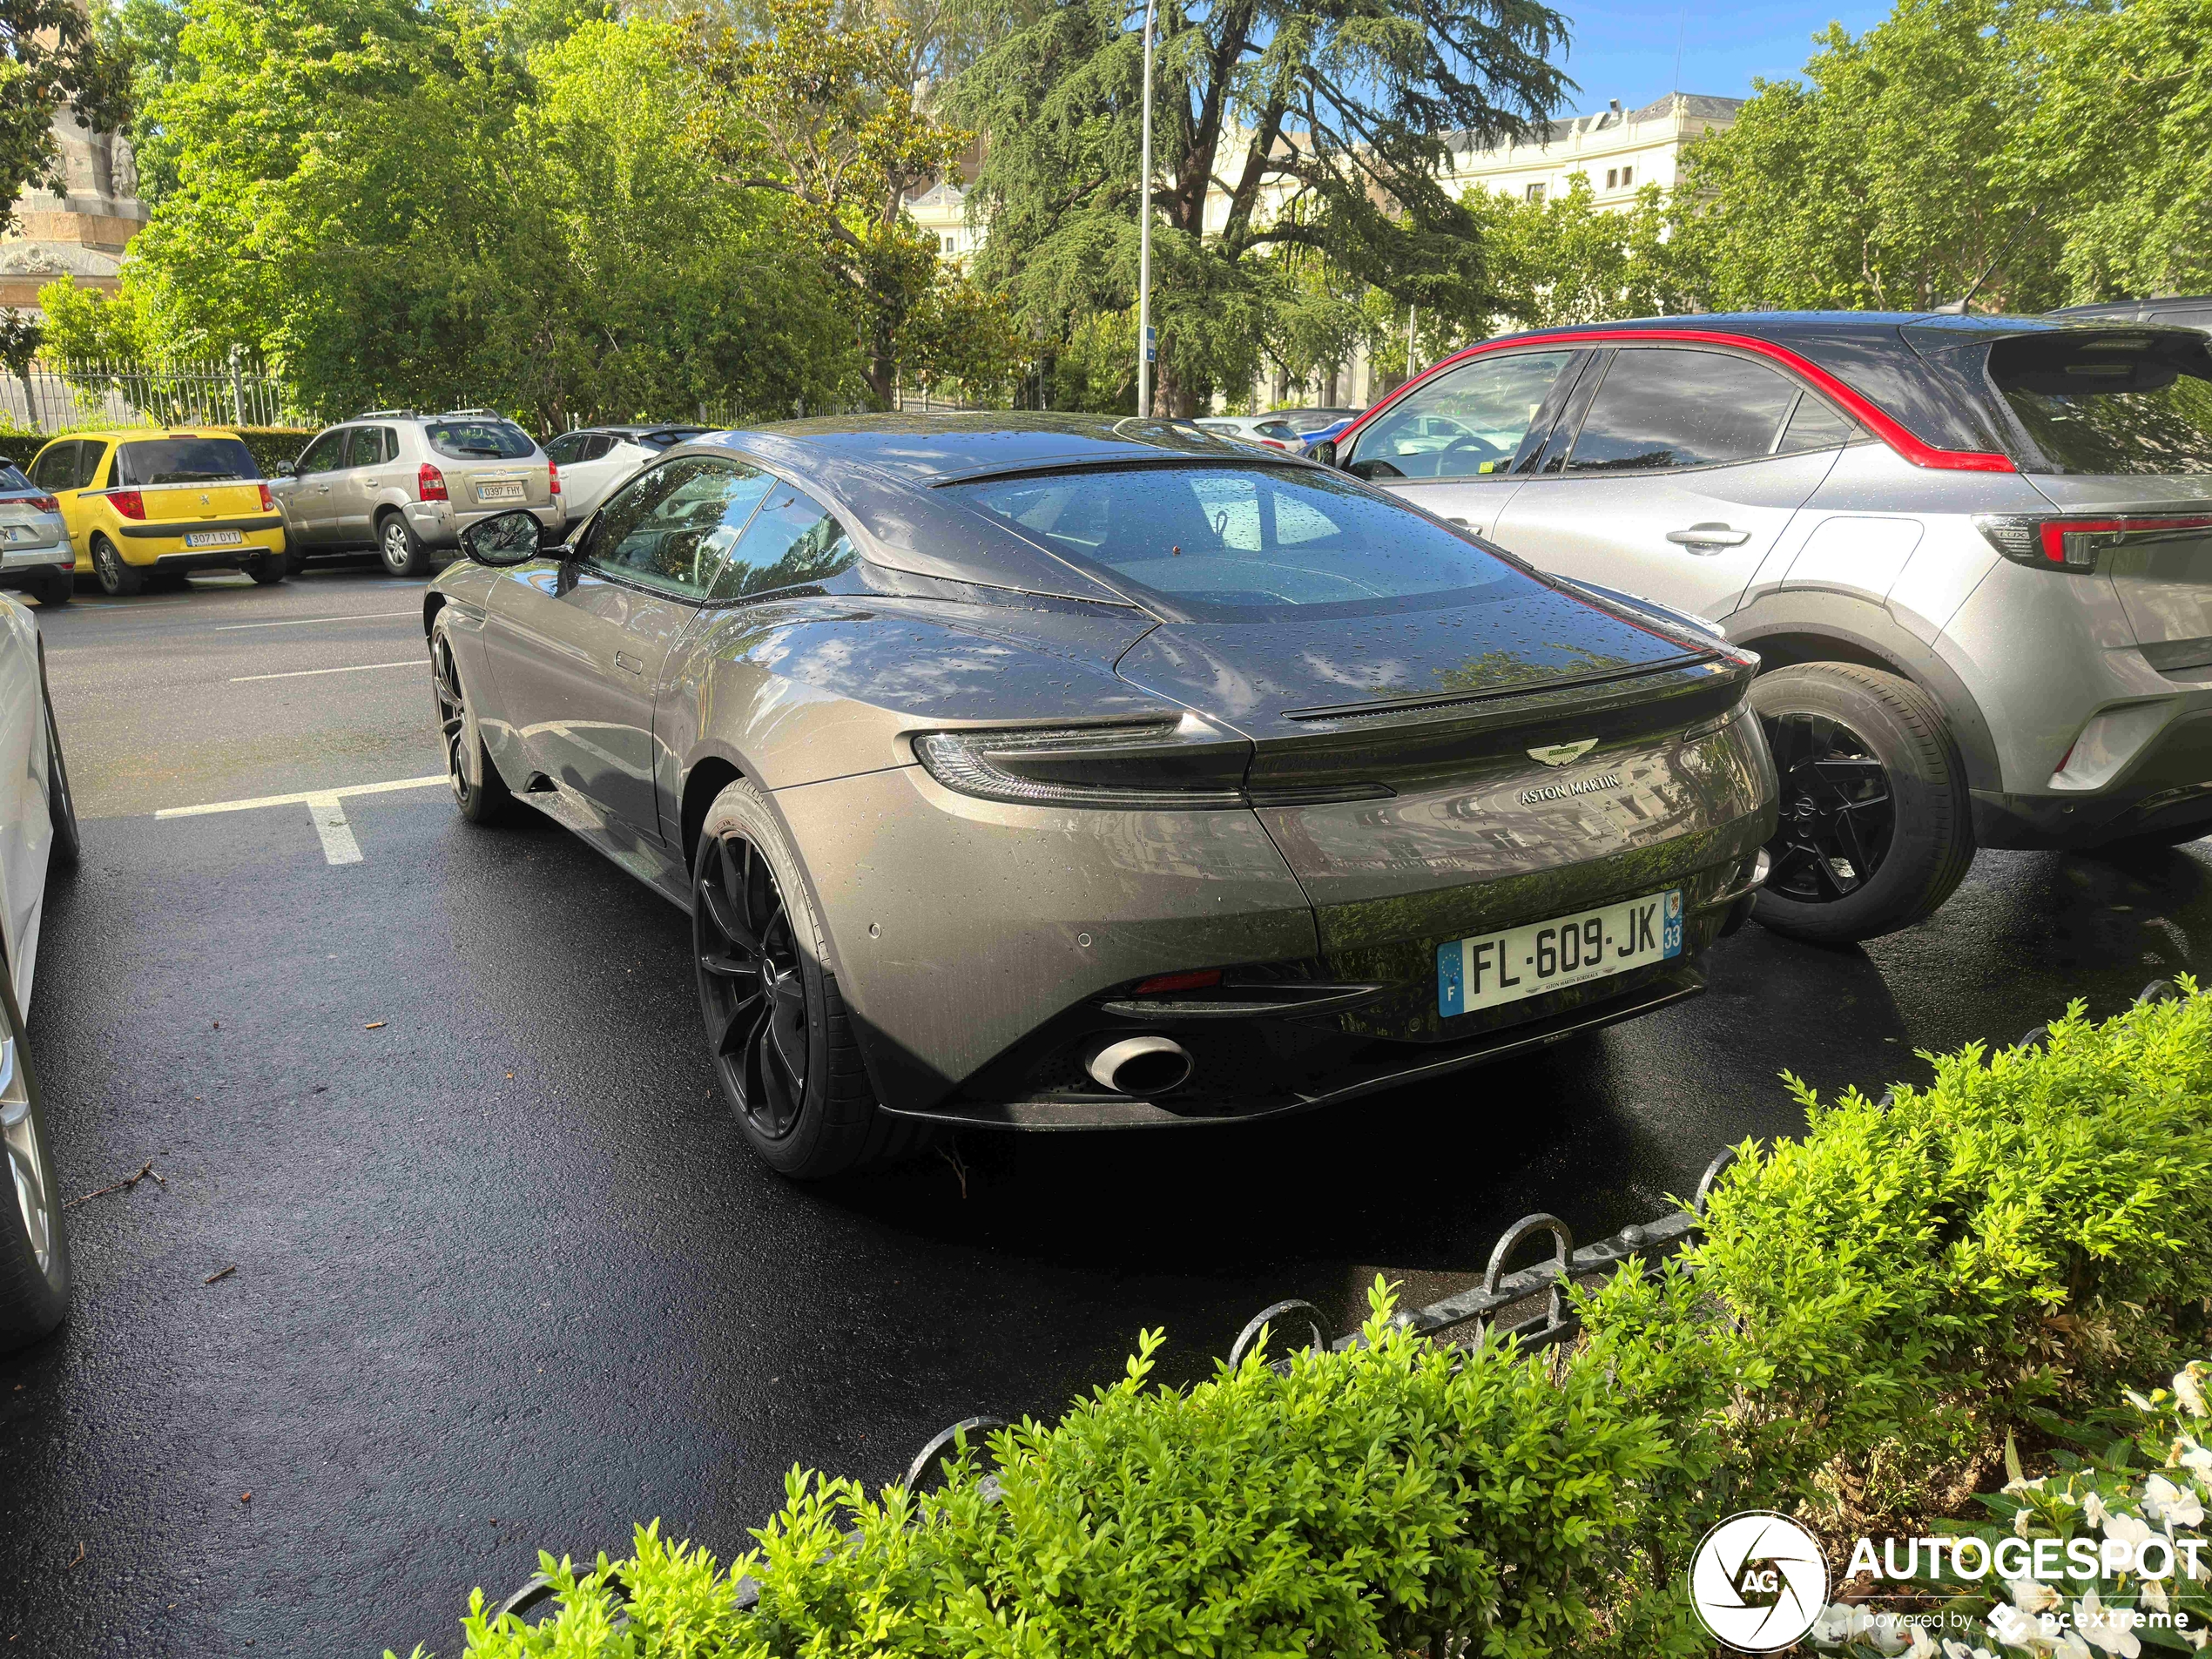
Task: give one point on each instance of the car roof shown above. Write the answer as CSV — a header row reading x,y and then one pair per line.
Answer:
x,y
131,435
931,449
1785,327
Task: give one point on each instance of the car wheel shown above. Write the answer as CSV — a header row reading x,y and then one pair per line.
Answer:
x,y
399,548
478,790
61,802
57,588
267,570
1875,832
782,1043
116,578
34,1246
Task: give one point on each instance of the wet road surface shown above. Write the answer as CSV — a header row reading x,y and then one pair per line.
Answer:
x,y
506,1276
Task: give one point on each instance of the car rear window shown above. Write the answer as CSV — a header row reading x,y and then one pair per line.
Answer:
x,y
12,479
479,440
183,461
2111,403
1238,542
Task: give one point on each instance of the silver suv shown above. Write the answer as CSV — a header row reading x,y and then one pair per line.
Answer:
x,y
1975,553
408,484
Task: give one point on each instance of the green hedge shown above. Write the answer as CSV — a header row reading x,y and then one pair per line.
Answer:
x,y
1869,1312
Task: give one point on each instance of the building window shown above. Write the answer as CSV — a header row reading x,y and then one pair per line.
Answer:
x,y
1628,177
944,244
1534,192
1612,177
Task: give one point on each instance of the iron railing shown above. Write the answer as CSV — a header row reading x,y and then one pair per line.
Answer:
x,y
56,396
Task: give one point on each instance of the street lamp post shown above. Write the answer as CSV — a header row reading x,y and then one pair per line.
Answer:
x,y
1144,236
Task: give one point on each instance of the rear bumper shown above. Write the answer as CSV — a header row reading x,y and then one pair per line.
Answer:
x,y
164,545
438,524
258,523
2168,784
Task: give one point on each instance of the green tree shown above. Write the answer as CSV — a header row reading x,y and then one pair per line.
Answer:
x,y
1566,260
1323,121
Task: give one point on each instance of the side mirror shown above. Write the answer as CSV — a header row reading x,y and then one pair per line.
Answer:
x,y
287,469
502,539
1324,452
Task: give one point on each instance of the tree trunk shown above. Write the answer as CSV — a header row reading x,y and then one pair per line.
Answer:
x,y
1329,391
1172,399
881,375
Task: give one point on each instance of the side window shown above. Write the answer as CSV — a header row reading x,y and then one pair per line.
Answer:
x,y
669,528
791,541
56,467
597,447
325,453
565,449
1467,423
92,463
1813,425
387,445
1661,408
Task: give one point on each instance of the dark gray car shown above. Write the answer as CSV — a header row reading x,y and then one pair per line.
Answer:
x,y
1045,772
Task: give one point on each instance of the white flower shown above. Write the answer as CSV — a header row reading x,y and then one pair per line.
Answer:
x,y
2016,1488
1889,1634
2112,1630
2129,1529
2187,1391
1918,1645
1839,1622
2093,1510
2163,1501
1955,1650
2192,1457
2138,1401
2022,1521
2154,1594
2070,1645
2197,1636
2029,1596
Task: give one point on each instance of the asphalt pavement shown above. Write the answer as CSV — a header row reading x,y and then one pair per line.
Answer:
x,y
506,1277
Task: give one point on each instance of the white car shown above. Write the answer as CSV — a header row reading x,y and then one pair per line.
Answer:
x,y
38,833
593,459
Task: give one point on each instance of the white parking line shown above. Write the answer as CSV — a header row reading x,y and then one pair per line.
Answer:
x,y
302,673
302,622
329,817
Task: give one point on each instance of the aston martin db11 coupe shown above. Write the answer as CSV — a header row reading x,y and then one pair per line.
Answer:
x,y
1050,772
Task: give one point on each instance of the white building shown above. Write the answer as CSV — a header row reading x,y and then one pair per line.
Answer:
x,y
1619,152
941,212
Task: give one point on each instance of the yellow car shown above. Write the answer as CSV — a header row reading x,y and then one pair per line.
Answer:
x,y
153,499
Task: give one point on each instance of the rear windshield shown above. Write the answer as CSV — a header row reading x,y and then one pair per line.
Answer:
x,y
183,461
1247,541
479,440
2138,403
11,478
670,438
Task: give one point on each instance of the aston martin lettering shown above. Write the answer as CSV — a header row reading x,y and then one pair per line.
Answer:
x,y
1580,787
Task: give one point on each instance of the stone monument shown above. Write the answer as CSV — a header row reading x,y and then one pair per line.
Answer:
x,y
83,231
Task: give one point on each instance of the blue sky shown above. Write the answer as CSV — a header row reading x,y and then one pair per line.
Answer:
x,y
1627,51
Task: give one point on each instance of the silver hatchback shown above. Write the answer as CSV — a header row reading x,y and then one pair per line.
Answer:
x,y
1974,553
409,484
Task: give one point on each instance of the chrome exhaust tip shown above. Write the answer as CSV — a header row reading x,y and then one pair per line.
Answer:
x,y
1142,1066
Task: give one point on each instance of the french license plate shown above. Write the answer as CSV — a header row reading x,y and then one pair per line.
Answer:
x,y
1483,972
17,535
509,489
213,538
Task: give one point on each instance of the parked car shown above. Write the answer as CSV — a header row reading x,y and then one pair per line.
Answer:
x,y
2194,311
162,500
37,836
1058,771
593,460
1974,553
35,556
1269,431
408,484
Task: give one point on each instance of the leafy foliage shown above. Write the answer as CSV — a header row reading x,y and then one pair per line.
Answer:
x,y
52,59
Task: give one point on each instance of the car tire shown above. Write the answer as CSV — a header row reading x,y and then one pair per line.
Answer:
x,y
116,578
786,1057
399,548
479,792
1876,830
34,1242
269,569
57,589
61,800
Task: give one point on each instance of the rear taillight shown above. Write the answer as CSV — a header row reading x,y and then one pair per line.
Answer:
x,y
2077,543
268,501
129,502
429,484
43,503
1177,765
553,479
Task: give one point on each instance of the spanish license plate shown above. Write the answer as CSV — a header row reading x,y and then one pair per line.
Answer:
x,y
213,538
506,489
1483,972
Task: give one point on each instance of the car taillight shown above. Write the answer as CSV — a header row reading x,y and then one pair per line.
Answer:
x,y
1275,443
129,502
2075,544
553,479
429,484
1175,765
43,503
268,501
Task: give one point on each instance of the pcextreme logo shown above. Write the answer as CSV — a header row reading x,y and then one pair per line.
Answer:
x,y
1758,1581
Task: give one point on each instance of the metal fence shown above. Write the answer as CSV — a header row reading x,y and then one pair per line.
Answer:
x,y
55,396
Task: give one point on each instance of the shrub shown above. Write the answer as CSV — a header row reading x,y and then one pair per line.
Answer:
x,y
1868,1313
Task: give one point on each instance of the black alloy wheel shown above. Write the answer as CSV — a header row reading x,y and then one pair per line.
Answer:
x,y
478,790
752,986
1838,815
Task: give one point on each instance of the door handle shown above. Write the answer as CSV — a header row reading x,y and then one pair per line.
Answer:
x,y
628,664
1705,537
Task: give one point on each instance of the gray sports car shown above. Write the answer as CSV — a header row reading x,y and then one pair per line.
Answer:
x,y
1047,771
